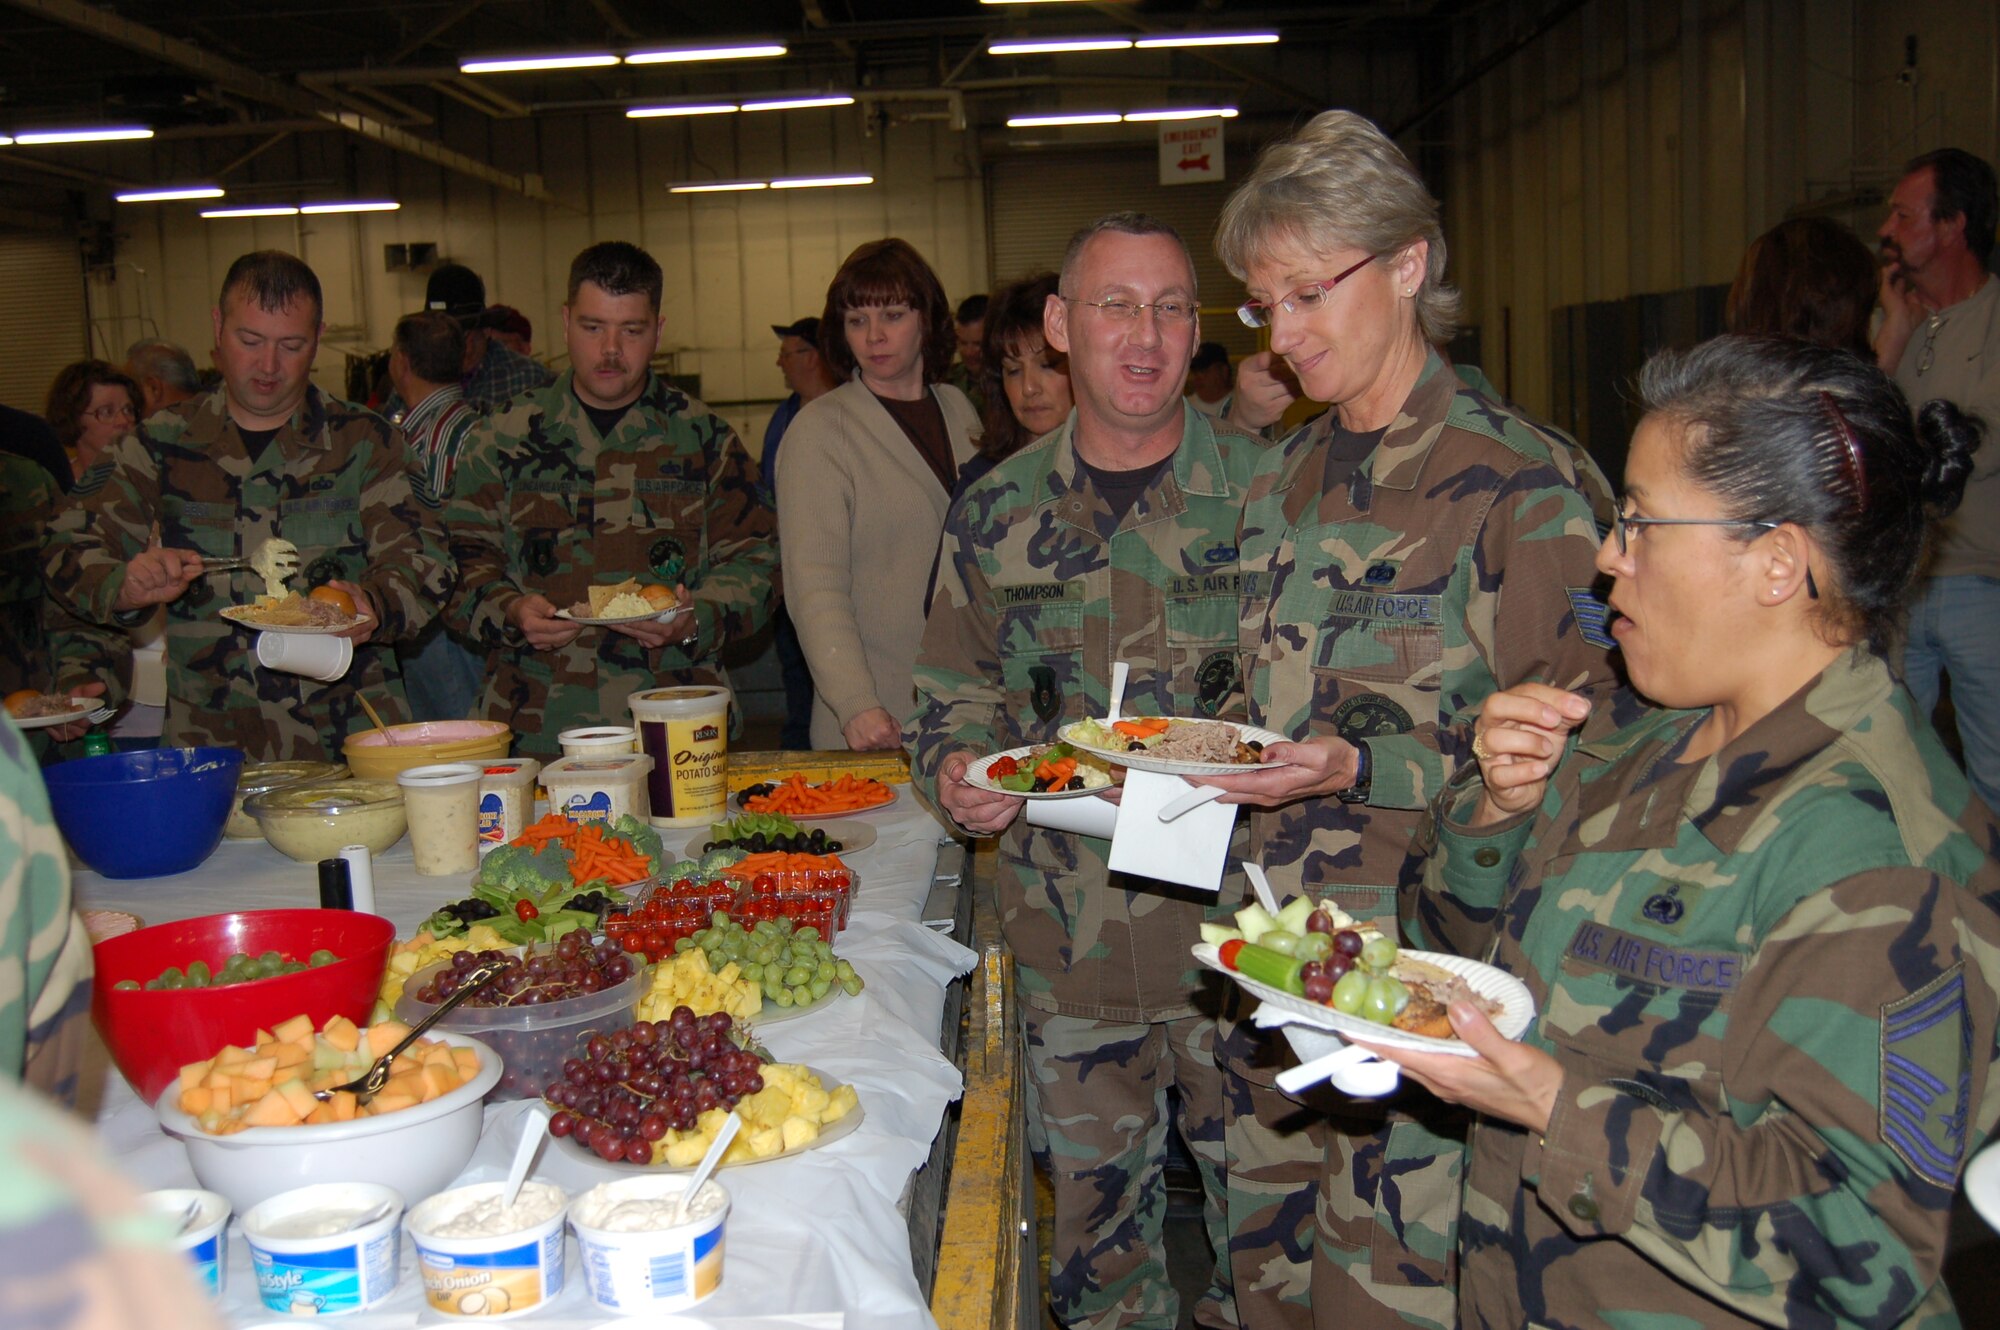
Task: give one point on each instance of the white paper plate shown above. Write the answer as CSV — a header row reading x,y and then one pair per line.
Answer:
x,y
1517,1007
773,1014
659,616
896,791
854,837
79,708
237,614
975,775
827,1136
1982,1184
1170,767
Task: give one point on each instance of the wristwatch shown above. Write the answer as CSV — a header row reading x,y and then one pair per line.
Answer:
x,y
1364,775
131,618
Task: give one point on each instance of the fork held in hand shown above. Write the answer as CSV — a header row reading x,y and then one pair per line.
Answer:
x,y
368,1085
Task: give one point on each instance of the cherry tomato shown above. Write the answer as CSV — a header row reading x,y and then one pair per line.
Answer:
x,y
525,910
1230,950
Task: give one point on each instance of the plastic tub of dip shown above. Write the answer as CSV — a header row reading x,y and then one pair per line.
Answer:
x,y
205,1240
311,1260
636,1260
598,789
598,740
317,820
261,777
506,800
685,731
442,805
479,1258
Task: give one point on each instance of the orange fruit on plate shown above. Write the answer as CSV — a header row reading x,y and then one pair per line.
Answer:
x,y
659,597
335,597
17,699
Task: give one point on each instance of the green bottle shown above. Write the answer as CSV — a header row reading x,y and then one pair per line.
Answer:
x,y
96,743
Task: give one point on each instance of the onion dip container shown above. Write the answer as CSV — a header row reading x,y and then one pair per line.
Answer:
x,y
635,1261
506,800
301,1272
598,740
494,1275
205,1240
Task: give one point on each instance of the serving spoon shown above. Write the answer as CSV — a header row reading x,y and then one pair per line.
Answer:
x,y
370,1083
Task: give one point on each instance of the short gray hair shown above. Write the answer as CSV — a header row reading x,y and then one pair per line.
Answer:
x,y
170,364
1127,224
1340,181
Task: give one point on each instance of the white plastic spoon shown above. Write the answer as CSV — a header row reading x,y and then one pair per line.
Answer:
x,y
1194,797
1120,671
534,1130
1262,886
730,1126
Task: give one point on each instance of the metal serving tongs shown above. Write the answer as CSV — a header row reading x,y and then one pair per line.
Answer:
x,y
284,560
368,1085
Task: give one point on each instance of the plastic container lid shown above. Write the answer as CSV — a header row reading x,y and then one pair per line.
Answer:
x,y
597,769
682,700
598,734
323,798
443,773
505,775
261,776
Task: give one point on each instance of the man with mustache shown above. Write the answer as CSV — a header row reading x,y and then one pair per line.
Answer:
x,y
609,473
1941,339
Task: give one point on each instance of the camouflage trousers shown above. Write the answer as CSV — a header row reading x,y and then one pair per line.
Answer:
x,y
1343,1215
1097,1121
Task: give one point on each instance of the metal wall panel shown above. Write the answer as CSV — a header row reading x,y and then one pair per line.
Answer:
x,y
41,288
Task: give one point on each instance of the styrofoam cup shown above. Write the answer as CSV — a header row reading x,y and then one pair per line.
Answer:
x,y
492,1276
331,1275
320,656
654,1271
205,1239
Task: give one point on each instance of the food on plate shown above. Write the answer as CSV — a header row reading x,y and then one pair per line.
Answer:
x,y
688,980
627,599
662,598
757,832
240,968
275,561
571,967
794,795
271,1082
556,876
425,949
334,596
27,704
293,611
1324,955
1210,741
792,965
659,1092
1049,767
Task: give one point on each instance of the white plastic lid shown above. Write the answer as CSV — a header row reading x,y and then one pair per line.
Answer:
x,y
598,734
444,773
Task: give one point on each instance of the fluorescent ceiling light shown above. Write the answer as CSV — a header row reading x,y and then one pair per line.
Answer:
x,y
515,64
718,187
81,135
1032,2
1208,39
652,112
705,53
1045,45
281,210
358,205
822,181
1043,121
798,103
170,195
6,140
1190,113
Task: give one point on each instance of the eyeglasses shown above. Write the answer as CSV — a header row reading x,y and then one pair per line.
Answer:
x,y
112,413
1930,344
1126,311
1257,314
1621,524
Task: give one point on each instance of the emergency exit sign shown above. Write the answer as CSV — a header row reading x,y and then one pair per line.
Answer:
x,y
1190,150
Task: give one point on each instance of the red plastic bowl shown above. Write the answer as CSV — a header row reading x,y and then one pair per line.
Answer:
x,y
152,1034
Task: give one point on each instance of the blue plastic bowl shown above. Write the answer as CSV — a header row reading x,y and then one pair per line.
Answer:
x,y
146,813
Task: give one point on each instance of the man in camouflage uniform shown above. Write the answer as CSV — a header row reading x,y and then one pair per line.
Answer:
x,y
45,963
266,455
1112,538
610,473
28,495
1373,613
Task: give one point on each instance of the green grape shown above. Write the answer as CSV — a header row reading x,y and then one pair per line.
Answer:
x,y
682,944
719,919
843,969
1350,992
797,976
323,957
1315,947
1278,940
801,995
1386,998
199,974
808,934
1378,953
820,987
754,972
824,972
784,998
126,984
850,984
271,959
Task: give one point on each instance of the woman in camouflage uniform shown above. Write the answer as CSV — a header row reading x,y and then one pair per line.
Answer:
x,y
1753,898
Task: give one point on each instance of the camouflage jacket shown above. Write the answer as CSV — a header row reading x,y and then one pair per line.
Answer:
x,y
45,958
27,498
1451,563
1037,594
334,482
541,505
1769,977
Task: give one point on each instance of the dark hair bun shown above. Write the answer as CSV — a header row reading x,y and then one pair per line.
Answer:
x,y
1950,436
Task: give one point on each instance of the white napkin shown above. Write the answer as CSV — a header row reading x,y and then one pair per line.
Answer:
x,y
1189,850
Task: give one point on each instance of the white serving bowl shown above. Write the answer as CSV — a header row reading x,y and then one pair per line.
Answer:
x,y
417,1151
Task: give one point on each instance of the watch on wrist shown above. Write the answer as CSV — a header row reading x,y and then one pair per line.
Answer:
x,y
131,618
1364,775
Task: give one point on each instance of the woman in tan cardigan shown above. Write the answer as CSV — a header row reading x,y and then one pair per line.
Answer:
x,y
864,481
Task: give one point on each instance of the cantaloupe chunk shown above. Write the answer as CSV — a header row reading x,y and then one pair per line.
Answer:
x,y
196,1073
224,1100
467,1060
409,1082
291,1055
435,1054
232,1056
249,1091
263,1037
263,1068
299,1097
342,1033
297,1030
389,1102
385,1036
438,1080
273,1110
344,1105
196,1100
322,1115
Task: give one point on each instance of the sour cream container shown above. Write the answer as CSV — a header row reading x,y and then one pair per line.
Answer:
x,y
636,1261
506,800
487,1261
598,789
685,730
598,740
442,802
304,1270
205,1240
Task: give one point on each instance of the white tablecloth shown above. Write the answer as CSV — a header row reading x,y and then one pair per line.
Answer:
x,y
811,1238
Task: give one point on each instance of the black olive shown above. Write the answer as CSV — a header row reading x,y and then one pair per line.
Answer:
x,y
831,847
707,846
1135,746
1254,745
757,844
1040,786
1075,783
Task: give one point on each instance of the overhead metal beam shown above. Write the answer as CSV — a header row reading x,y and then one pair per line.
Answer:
x,y
435,31
274,92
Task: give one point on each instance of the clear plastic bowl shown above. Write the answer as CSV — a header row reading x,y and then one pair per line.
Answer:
x,y
315,821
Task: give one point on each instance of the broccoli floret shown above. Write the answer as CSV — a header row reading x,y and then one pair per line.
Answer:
x,y
513,868
641,834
